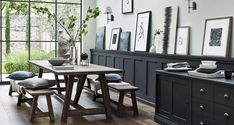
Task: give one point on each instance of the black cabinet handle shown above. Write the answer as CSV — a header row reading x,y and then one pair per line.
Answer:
x,y
202,91
201,123
226,96
226,115
202,107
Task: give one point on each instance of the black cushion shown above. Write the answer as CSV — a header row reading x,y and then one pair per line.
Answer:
x,y
112,77
36,83
21,75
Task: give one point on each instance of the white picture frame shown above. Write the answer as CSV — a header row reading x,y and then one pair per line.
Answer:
x,y
217,37
127,6
142,31
182,40
114,41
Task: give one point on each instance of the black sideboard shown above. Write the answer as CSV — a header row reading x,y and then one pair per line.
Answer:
x,y
188,100
140,67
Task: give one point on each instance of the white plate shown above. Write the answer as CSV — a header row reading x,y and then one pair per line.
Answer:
x,y
177,69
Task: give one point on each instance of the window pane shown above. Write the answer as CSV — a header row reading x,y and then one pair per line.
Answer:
x,y
15,21
17,57
42,28
69,1
66,13
44,0
41,51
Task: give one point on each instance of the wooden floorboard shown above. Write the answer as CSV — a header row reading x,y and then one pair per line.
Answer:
x,y
10,114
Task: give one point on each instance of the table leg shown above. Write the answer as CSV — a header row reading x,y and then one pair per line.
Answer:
x,y
67,99
65,79
40,73
106,95
58,84
79,88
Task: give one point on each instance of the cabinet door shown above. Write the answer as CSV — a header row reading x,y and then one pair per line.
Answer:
x,y
173,99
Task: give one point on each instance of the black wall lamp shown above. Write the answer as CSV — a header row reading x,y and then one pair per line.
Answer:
x,y
108,12
191,5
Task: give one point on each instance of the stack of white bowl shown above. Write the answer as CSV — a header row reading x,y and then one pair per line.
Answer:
x,y
208,64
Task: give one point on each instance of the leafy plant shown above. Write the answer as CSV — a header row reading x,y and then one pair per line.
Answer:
x,y
69,26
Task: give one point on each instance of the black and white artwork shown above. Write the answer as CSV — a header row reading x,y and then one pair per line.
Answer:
x,y
100,38
115,35
127,6
169,31
124,43
217,37
182,40
142,31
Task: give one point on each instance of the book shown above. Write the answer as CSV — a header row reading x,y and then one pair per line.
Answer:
x,y
63,67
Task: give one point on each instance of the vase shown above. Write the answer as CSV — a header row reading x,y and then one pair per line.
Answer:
x,y
159,43
153,49
74,55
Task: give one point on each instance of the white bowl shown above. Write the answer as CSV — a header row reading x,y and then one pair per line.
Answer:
x,y
208,62
204,66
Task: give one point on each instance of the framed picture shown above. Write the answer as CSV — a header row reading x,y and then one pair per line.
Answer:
x,y
182,40
127,6
115,35
142,34
217,37
124,43
100,38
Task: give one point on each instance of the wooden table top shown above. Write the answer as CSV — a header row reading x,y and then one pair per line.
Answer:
x,y
90,69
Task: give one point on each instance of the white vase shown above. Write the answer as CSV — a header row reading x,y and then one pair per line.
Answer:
x,y
153,49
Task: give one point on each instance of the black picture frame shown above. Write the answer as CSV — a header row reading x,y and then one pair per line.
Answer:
x,y
100,38
114,40
143,46
127,6
124,43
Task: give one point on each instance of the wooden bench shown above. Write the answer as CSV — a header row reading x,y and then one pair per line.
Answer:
x,y
123,89
36,112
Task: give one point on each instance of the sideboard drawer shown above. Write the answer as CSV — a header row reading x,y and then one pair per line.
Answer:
x,y
224,95
203,121
202,90
224,114
202,109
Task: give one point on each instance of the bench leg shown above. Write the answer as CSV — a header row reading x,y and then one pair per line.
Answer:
x,y
10,90
34,108
120,102
20,99
50,108
134,103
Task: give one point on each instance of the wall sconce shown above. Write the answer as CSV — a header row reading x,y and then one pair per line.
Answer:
x,y
193,6
108,12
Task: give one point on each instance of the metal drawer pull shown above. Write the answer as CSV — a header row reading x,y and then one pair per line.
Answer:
x,y
202,90
226,115
202,107
226,96
201,123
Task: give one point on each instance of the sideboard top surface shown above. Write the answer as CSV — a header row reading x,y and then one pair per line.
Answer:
x,y
186,75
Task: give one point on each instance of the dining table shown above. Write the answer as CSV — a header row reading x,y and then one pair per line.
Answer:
x,y
80,72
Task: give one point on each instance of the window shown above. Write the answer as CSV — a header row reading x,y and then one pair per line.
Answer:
x,y
27,34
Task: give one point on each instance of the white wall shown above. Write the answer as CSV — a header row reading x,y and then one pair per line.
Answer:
x,y
195,19
89,39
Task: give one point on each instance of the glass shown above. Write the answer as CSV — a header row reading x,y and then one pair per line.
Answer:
x,y
69,1
64,13
42,28
17,59
15,21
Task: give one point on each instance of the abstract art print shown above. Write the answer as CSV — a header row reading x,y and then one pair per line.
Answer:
x,y
127,6
182,40
100,38
217,36
142,31
124,43
115,35
169,32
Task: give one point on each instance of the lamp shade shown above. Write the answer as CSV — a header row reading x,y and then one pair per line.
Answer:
x,y
108,10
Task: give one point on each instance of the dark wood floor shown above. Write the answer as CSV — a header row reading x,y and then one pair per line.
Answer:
x,y
10,114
